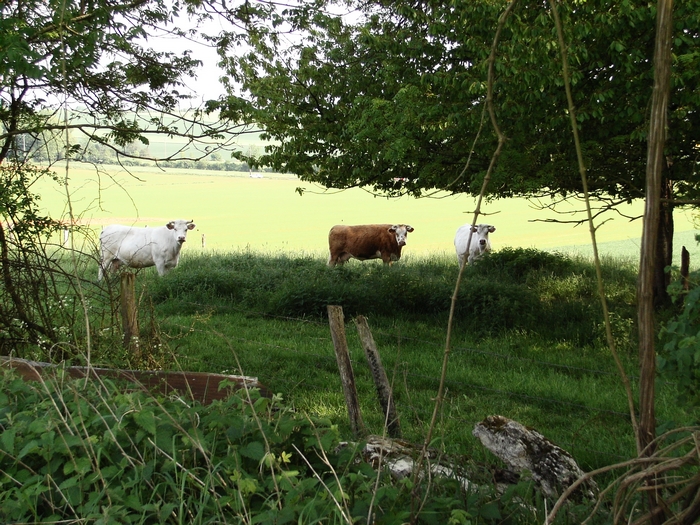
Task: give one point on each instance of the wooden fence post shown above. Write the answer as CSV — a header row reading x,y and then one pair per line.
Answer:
x,y
347,378
386,397
130,321
685,268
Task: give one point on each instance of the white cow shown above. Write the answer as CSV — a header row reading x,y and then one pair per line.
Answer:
x,y
478,245
142,247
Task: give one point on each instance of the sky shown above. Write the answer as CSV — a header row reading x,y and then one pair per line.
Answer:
x,y
206,85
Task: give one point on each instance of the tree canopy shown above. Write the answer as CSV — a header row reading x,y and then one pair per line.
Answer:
x,y
86,72
391,96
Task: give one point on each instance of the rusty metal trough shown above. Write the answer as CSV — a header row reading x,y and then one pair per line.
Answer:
x,y
199,386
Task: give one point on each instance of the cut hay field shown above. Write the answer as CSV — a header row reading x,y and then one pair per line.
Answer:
x,y
235,212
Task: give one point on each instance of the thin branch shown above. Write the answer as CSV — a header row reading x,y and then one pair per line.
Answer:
x,y
494,159
584,181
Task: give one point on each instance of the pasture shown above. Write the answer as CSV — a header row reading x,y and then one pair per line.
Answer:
x,y
528,340
236,212
249,223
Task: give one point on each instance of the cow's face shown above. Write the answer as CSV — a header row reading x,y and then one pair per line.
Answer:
x,y
401,231
180,228
481,232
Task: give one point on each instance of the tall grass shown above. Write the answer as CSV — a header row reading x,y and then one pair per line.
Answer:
x,y
529,340
528,345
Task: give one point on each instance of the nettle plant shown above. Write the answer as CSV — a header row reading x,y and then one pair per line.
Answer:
x,y
94,450
679,359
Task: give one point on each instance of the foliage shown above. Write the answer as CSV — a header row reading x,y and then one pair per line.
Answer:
x,y
511,290
37,295
392,98
679,358
96,59
91,450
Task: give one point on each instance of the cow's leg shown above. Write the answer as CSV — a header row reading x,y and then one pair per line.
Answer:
x,y
160,267
344,257
107,266
339,259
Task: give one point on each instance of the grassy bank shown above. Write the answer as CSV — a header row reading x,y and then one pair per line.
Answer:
x,y
528,342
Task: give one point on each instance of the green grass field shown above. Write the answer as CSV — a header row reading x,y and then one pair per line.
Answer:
x,y
528,340
235,212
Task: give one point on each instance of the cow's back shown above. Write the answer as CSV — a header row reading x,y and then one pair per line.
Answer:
x,y
130,245
362,241
367,241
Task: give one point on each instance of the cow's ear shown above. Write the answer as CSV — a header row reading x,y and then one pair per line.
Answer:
x,y
191,226
474,228
409,228
392,229
170,225
492,229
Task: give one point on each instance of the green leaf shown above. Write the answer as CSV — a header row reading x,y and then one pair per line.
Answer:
x,y
8,440
254,450
146,419
490,511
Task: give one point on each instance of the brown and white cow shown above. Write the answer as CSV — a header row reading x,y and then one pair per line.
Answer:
x,y
368,241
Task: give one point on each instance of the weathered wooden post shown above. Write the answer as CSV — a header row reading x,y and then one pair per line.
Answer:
x,y
130,321
386,397
347,378
685,268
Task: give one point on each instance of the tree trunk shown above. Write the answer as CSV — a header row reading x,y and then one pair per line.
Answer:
x,y
664,247
649,250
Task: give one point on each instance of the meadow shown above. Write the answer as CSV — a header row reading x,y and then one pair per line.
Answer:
x,y
234,211
528,344
248,223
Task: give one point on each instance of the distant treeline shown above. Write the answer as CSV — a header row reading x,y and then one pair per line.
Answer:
x,y
134,154
203,165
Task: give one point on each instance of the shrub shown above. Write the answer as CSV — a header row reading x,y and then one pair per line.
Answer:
x,y
93,451
679,359
517,263
515,289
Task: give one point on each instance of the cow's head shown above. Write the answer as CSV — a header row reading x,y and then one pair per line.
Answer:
x,y
481,232
401,231
180,228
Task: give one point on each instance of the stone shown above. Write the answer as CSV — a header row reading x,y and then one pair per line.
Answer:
x,y
526,450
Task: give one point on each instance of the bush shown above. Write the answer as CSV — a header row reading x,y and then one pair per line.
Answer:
x,y
514,289
95,452
91,451
679,359
516,264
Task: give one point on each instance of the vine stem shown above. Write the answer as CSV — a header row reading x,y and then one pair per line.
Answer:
x,y
71,215
477,211
591,226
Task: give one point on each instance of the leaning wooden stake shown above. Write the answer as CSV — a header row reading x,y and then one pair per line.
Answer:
x,y
685,269
386,398
337,324
130,321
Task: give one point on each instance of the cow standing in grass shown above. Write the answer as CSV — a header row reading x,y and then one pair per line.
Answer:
x,y
478,245
369,241
142,247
